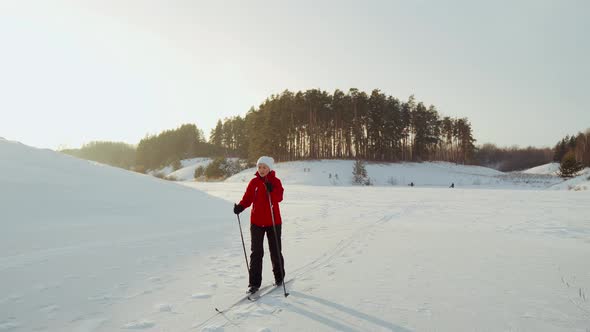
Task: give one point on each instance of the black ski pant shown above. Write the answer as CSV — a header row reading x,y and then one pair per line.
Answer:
x,y
278,264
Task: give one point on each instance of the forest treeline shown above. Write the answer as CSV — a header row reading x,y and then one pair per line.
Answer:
x,y
315,124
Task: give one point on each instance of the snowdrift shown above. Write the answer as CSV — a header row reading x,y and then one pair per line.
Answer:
x,y
77,235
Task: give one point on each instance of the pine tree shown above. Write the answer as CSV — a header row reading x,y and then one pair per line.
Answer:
x,y
215,169
559,151
582,150
406,127
216,136
572,143
176,165
359,172
569,166
199,171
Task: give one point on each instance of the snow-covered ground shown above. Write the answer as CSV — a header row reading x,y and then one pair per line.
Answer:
x,y
427,174
580,182
548,169
426,259
79,237
339,172
187,170
87,247
551,170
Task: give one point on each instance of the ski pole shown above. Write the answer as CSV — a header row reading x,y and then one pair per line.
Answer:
x,y
272,215
243,245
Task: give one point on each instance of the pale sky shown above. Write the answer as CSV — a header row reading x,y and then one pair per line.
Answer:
x,y
78,71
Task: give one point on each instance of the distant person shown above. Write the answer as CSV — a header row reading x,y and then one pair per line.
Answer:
x,y
263,187
411,184
452,185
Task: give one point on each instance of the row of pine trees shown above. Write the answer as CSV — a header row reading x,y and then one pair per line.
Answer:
x,y
315,124
169,147
116,154
573,152
578,145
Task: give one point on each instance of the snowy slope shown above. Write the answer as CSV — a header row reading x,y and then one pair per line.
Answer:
x,y
78,237
427,174
186,172
339,172
580,182
549,169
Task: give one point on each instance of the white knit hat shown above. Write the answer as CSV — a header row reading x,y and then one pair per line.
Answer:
x,y
268,161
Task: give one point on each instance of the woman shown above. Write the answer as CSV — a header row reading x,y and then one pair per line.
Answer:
x,y
263,191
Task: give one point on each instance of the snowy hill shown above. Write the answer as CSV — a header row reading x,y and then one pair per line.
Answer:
x,y
186,172
78,237
549,169
427,174
580,182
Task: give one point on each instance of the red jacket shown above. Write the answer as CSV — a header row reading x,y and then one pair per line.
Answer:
x,y
256,195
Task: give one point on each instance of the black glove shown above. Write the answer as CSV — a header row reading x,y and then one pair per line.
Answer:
x,y
238,208
268,186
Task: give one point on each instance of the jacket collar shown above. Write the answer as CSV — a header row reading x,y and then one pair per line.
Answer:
x,y
271,175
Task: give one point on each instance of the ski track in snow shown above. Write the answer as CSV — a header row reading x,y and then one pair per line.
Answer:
x,y
9,325
345,251
139,325
201,296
